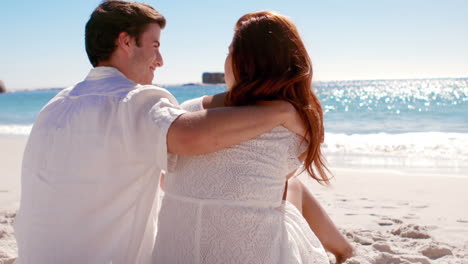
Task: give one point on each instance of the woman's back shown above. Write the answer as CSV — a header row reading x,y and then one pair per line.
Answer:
x,y
253,171
226,207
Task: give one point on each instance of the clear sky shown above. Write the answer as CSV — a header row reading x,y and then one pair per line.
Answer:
x,y
42,43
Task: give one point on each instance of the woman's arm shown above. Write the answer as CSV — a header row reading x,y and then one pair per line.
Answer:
x,y
318,220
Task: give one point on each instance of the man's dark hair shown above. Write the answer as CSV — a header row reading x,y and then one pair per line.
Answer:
x,y
113,17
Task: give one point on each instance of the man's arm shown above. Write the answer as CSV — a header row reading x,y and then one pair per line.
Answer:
x,y
294,122
214,129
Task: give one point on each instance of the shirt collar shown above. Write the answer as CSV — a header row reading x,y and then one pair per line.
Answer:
x,y
103,80
102,72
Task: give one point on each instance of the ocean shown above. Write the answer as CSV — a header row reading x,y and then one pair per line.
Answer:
x,y
416,125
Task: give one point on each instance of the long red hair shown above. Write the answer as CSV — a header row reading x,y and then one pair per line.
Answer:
x,y
270,62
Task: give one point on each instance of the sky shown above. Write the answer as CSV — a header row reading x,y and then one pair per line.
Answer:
x,y
42,43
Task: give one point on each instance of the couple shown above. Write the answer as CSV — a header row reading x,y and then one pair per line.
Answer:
x,y
92,165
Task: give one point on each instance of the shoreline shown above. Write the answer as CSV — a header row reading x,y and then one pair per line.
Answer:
x,y
401,172
427,163
372,207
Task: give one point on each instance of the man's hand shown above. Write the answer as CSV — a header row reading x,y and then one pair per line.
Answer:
x,y
296,124
292,119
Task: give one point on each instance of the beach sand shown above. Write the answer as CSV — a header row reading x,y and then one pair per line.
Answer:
x,y
390,217
11,152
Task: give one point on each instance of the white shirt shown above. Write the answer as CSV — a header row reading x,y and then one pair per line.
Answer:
x,y
91,172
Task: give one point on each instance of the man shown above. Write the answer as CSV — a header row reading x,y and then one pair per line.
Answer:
x,y
92,164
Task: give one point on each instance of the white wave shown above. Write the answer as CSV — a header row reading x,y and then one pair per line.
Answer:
x,y
423,153
15,130
434,145
438,145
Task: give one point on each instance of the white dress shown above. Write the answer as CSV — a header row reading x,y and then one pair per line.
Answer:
x,y
227,207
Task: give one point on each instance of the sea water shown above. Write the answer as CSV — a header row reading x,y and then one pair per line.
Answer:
x,y
405,125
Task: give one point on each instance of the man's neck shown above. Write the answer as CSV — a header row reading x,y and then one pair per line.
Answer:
x,y
121,65
113,65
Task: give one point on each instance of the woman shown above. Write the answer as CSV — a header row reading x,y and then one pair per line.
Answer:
x,y
227,206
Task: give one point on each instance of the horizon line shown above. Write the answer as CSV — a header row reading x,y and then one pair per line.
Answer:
x,y
200,83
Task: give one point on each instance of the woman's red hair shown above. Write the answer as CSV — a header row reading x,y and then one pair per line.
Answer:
x,y
270,62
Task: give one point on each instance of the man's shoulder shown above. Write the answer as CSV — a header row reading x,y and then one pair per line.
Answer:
x,y
150,94
59,96
152,89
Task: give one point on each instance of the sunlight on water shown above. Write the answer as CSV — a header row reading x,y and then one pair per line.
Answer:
x,y
393,96
395,106
404,124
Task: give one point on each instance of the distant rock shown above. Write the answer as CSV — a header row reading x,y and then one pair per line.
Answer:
x,y
2,87
213,77
436,251
191,84
411,231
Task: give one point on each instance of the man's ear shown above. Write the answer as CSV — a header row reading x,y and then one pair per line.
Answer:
x,y
125,42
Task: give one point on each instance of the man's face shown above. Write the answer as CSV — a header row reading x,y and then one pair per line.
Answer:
x,y
145,58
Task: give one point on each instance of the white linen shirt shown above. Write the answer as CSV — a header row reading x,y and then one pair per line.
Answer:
x,y
91,171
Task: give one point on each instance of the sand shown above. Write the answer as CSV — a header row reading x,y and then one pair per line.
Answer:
x,y
11,151
392,217
389,217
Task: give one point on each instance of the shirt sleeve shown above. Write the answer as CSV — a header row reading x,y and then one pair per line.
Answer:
x,y
162,115
149,112
193,105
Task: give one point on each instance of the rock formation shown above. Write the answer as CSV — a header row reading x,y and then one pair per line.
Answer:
x,y
2,87
213,77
